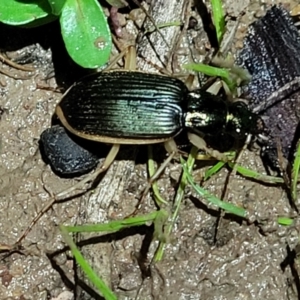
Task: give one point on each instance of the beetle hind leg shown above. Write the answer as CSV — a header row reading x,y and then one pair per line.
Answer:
x,y
90,178
171,148
130,59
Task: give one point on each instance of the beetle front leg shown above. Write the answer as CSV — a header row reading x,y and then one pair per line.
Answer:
x,y
199,142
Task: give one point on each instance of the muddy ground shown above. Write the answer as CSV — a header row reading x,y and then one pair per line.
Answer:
x,y
245,262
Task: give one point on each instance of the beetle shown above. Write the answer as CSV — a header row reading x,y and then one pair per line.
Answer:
x,y
131,107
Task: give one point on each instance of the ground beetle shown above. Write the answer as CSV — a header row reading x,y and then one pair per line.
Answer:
x,y
131,107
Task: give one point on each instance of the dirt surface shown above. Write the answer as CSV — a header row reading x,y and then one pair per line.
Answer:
x,y
243,261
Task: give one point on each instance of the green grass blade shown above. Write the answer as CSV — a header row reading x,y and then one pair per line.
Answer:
x,y
218,18
116,225
295,174
256,176
159,225
177,202
98,282
228,207
208,70
285,221
213,170
211,71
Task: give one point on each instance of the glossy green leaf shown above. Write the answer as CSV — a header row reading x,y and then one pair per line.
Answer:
x,y
86,33
15,12
56,6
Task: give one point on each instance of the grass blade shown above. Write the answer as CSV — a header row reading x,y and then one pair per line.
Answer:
x,y
116,225
98,282
219,19
295,174
228,207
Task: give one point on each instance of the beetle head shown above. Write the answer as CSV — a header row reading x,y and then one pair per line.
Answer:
x,y
241,121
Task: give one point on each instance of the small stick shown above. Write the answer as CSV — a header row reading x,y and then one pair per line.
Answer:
x,y
14,76
15,65
152,20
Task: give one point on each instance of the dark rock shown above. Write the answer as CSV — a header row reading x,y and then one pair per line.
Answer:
x,y
67,154
271,55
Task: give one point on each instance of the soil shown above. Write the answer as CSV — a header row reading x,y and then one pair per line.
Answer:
x,y
241,261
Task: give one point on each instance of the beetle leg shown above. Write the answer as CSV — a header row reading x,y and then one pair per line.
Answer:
x,y
129,55
105,165
130,59
171,148
199,142
215,87
115,60
189,81
162,167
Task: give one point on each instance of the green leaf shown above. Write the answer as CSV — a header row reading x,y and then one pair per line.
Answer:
x,y
19,12
56,6
115,225
86,33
